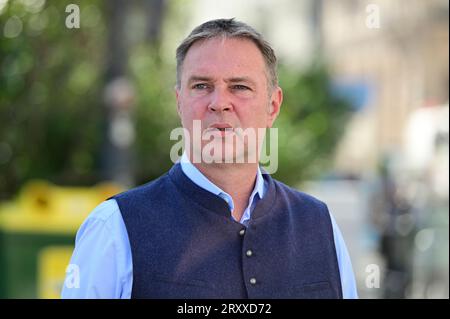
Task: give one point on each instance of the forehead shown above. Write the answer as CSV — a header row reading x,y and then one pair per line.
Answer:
x,y
224,56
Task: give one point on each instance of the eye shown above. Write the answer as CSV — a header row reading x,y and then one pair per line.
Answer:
x,y
240,87
200,86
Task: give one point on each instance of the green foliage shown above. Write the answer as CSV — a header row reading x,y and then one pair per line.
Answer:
x,y
49,94
51,104
311,121
155,113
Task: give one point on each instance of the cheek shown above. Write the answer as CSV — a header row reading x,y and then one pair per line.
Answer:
x,y
195,108
254,116
187,113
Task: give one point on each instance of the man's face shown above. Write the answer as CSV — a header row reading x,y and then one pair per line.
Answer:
x,y
224,84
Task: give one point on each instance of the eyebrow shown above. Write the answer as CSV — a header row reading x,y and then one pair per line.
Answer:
x,y
241,79
195,78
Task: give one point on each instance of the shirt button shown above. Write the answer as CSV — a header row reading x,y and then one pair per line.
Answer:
x,y
253,281
249,253
242,232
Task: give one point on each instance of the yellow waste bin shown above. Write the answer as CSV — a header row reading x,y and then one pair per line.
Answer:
x,y
37,233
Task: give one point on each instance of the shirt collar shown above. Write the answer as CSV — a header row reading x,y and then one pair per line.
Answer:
x,y
201,180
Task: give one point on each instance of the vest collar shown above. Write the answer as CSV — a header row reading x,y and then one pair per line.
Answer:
x,y
215,203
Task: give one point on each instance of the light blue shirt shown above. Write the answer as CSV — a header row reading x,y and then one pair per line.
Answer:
x,y
102,254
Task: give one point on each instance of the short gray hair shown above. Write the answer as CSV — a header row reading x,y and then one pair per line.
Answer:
x,y
229,28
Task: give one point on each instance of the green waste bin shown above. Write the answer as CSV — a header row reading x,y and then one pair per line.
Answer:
x,y
37,234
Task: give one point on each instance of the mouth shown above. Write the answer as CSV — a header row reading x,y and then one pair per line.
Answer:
x,y
221,128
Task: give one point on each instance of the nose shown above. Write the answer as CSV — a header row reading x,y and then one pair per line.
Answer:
x,y
220,101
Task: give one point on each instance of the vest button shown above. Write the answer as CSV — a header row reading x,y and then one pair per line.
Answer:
x,y
253,281
249,253
242,232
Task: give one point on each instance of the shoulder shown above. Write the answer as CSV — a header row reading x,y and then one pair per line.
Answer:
x,y
300,205
153,188
104,211
293,195
105,219
151,198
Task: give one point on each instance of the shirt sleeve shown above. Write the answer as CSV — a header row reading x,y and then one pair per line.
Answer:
x,y
348,282
101,265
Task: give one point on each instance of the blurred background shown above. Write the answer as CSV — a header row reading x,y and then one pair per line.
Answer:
x,y
86,111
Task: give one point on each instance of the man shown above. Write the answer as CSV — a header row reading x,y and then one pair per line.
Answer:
x,y
215,229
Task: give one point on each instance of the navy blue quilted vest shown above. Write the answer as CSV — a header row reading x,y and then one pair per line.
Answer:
x,y
185,244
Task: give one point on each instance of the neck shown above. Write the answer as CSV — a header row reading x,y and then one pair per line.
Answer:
x,y
238,180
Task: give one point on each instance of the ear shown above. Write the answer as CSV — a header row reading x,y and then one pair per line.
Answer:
x,y
177,96
274,107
